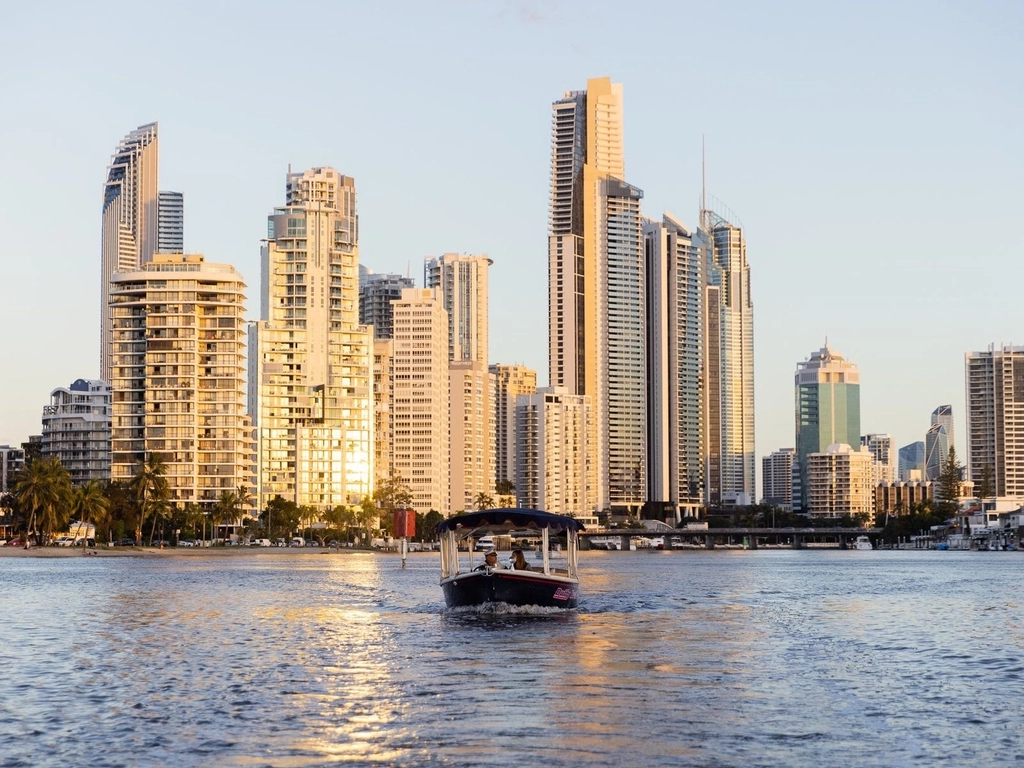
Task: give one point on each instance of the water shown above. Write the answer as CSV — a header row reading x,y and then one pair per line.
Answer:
x,y
797,658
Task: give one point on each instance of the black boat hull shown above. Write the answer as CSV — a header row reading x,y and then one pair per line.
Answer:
x,y
518,588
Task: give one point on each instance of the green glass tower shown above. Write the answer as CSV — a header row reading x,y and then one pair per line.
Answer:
x,y
827,410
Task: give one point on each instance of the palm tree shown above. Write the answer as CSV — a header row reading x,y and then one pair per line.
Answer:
x,y
44,492
226,508
91,502
149,486
483,500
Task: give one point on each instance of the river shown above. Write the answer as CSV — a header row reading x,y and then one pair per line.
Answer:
x,y
725,658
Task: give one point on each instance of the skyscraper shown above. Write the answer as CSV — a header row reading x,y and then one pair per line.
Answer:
x,y
911,462
460,281
179,376
937,442
420,396
676,285
729,362
171,230
995,411
313,391
510,381
597,286
586,147
827,409
130,220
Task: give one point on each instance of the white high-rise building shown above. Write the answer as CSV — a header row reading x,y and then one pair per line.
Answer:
x,y
178,383
460,281
881,448
777,478
420,398
76,429
730,362
510,382
839,482
676,448
130,220
313,393
995,419
556,467
376,293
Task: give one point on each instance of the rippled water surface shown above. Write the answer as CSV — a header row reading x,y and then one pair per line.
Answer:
x,y
797,658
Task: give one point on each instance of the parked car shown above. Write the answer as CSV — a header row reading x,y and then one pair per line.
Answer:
x,y
126,543
15,543
333,544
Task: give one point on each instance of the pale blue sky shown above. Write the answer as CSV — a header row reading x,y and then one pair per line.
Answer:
x,y
872,151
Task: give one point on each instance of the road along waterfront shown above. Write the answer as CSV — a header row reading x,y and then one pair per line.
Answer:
x,y
725,658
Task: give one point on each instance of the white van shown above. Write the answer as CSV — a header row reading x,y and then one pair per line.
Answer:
x,y
260,543
298,541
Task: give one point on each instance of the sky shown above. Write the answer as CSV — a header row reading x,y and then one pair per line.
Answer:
x,y
871,151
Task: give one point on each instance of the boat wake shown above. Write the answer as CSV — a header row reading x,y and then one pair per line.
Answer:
x,y
505,609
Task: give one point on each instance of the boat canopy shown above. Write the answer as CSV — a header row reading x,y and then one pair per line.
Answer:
x,y
509,518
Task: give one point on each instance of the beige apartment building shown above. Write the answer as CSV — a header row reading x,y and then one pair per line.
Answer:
x,y
383,423
460,281
419,411
839,482
556,464
311,394
178,375
510,381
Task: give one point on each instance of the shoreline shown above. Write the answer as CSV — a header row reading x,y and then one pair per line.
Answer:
x,y
6,551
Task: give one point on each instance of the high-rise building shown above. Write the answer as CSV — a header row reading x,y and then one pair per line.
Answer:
x,y
995,419
460,281
777,478
596,286
827,409
729,353
911,462
420,399
937,442
936,451
383,403
880,447
556,468
76,429
675,366
943,415
510,381
314,397
130,220
376,293
178,385
171,217
839,482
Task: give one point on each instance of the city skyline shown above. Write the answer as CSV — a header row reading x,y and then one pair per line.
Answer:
x,y
848,179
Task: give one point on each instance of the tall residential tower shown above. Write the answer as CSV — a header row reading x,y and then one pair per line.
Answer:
x,y
312,397
130,221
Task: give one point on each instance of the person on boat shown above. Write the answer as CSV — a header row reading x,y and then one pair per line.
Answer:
x,y
490,561
519,560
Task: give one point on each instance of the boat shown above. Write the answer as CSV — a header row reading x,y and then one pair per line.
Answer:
x,y
862,542
546,584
